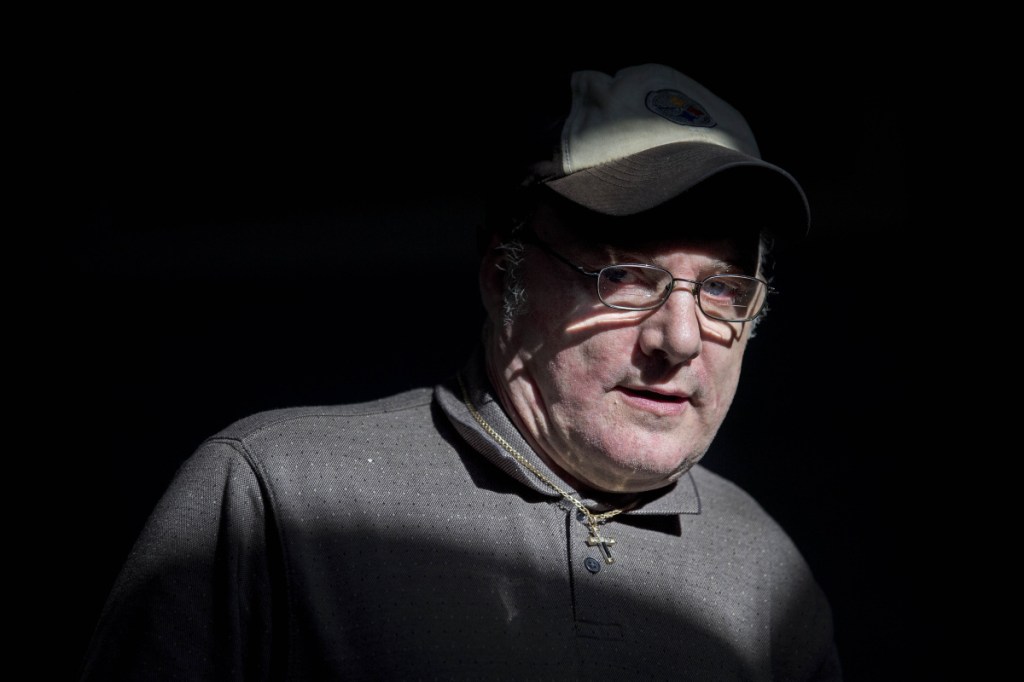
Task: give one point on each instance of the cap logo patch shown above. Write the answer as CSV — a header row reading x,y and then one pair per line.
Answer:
x,y
679,108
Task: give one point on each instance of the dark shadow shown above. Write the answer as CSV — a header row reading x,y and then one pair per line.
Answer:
x,y
389,589
218,225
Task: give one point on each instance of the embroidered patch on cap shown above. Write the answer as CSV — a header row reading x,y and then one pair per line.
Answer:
x,y
679,108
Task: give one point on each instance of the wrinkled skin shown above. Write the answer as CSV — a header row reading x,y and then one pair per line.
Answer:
x,y
614,401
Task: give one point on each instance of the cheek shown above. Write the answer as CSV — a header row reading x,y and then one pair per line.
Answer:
x,y
586,370
724,374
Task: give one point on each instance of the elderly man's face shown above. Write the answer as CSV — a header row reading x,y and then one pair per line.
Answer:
x,y
614,400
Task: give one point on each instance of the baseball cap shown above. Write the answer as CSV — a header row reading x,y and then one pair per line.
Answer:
x,y
641,137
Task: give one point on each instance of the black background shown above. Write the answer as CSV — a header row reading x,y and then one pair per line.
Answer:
x,y
232,190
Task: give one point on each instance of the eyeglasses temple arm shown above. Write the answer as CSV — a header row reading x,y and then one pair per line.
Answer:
x,y
528,235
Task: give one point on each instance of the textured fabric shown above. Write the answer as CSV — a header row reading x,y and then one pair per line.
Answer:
x,y
636,139
395,539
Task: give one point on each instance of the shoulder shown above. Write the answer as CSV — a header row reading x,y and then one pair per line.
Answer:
x,y
309,461
288,446
731,509
297,420
722,494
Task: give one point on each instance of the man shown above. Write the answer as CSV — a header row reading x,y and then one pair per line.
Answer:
x,y
542,514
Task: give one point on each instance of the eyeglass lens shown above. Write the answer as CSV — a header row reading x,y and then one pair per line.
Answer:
x,y
643,287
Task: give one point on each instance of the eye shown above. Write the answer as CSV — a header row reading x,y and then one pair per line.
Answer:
x,y
642,276
634,287
621,275
720,292
721,288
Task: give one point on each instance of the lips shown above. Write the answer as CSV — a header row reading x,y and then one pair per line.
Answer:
x,y
662,403
653,395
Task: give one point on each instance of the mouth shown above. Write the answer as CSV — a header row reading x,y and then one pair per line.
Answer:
x,y
658,402
652,395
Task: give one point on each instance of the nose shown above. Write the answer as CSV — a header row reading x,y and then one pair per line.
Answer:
x,y
674,328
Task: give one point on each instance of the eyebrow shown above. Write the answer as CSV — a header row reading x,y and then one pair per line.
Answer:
x,y
619,256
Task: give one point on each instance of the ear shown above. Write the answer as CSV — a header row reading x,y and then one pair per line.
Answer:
x,y
492,280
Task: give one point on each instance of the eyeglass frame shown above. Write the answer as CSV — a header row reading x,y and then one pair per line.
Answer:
x,y
528,235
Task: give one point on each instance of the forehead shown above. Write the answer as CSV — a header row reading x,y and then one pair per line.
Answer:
x,y
692,226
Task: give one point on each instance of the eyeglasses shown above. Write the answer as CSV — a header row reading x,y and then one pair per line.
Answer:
x,y
640,286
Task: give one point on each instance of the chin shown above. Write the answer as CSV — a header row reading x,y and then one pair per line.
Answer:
x,y
636,477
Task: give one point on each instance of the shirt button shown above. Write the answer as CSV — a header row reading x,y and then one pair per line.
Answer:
x,y
592,564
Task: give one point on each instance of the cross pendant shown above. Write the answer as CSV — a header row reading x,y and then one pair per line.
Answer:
x,y
601,543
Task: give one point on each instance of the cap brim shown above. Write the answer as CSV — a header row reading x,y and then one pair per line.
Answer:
x,y
655,176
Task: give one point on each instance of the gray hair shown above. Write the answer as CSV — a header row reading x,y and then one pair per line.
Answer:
x,y
514,296
766,269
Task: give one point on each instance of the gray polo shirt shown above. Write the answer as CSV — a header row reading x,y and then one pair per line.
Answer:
x,y
396,539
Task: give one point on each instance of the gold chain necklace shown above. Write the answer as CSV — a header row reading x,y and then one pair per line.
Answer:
x,y
595,539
